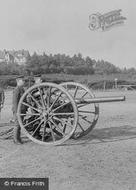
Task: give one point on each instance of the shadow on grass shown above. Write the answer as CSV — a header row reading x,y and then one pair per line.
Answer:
x,y
105,135
24,139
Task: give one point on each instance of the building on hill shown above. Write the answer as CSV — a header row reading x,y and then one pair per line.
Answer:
x,y
9,58
2,57
19,57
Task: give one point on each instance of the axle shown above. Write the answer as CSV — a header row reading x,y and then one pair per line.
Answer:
x,y
100,100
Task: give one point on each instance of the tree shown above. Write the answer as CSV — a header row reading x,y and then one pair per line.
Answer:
x,y
34,64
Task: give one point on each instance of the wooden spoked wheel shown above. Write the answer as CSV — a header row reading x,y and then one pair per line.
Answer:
x,y
47,113
88,112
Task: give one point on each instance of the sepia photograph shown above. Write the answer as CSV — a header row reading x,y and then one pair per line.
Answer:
x,y
67,95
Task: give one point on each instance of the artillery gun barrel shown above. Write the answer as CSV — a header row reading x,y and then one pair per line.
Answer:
x,y
100,100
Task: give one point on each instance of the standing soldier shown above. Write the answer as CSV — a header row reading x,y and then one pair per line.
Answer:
x,y
22,85
2,98
17,93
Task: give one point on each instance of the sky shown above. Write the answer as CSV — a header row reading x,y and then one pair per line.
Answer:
x,y
61,26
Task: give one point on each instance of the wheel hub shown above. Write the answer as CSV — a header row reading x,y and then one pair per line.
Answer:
x,y
44,114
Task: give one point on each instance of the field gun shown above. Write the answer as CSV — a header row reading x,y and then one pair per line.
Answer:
x,y
59,111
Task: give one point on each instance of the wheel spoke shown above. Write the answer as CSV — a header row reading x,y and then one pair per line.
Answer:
x,y
58,133
57,126
43,102
35,100
83,116
75,92
32,122
80,106
82,111
64,128
53,136
80,127
69,113
84,95
61,106
37,128
85,119
29,114
45,122
28,105
62,122
55,101
48,96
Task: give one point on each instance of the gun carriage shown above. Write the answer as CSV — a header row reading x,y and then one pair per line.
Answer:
x,y
59,111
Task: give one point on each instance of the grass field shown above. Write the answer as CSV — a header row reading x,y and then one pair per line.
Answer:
x,y
103,160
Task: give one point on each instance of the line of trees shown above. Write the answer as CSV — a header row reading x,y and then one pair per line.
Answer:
x,y
61,63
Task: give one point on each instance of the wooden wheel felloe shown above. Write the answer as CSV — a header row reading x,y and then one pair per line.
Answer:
x,y
88,112
48,114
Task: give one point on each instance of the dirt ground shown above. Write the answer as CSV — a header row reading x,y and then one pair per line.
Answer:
x,y
103,160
